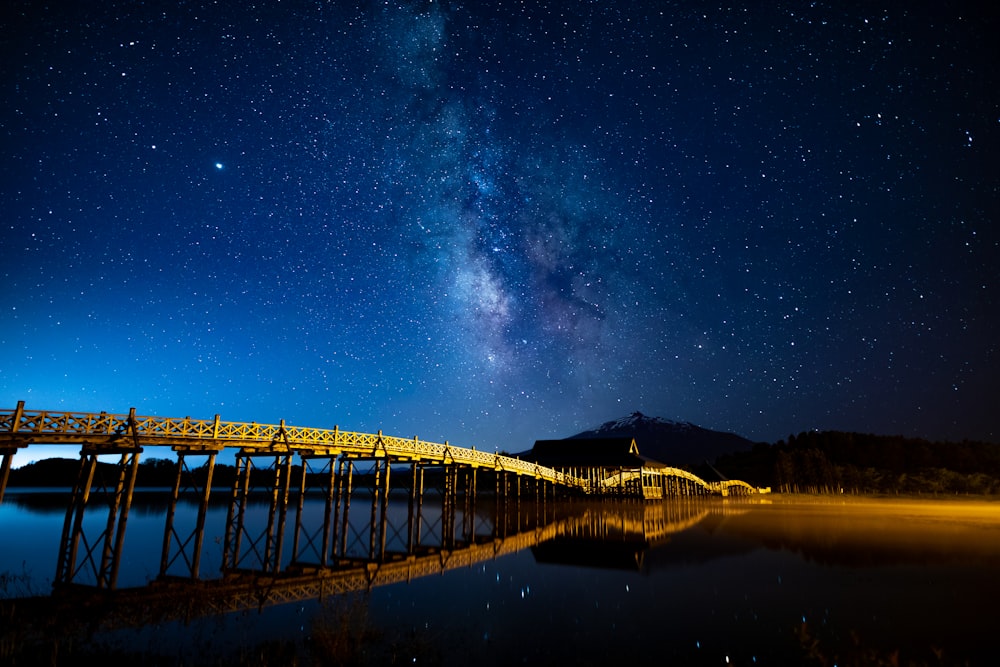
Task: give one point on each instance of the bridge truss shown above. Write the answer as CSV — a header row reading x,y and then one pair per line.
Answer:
x,y
126,434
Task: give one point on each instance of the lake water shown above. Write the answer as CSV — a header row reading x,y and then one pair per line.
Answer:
x,y
768,581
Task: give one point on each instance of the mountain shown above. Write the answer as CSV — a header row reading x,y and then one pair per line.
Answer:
x,y
670,442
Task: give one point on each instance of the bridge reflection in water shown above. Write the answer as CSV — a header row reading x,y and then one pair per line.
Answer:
x,y
310,513
328,458
339,533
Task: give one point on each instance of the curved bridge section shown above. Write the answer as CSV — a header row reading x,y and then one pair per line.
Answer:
x,y
653,483
731,487
105,433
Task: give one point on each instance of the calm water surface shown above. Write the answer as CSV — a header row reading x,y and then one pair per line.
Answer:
x,y
769,582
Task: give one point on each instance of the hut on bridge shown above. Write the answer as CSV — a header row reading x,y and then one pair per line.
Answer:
x,y
610,465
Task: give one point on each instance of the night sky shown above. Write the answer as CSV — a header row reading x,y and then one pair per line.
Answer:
x,y
495,222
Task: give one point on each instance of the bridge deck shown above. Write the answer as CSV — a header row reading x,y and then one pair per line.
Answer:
x,y
104,432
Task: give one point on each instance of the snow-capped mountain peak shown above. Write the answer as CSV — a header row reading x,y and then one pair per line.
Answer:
x,y
641,421
669,441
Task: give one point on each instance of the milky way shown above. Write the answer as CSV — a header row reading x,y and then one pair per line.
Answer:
x,y
496,224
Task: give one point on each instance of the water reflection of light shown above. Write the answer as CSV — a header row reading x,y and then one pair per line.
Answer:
x,y
856,531
768,568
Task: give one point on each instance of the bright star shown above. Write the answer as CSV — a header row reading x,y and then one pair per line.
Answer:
x,y
218,165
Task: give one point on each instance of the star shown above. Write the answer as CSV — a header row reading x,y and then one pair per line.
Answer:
x,y
441,209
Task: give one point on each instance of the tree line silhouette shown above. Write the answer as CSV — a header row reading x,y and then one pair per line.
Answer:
x,y
857,463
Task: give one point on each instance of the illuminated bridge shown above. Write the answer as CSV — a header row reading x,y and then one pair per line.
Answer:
x,y
325,470
127,434
104,433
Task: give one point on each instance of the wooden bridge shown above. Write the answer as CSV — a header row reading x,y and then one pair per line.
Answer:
x,y
326,469
126,434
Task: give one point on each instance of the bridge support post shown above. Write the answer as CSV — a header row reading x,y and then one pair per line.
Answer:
x,y
384,508
199,528
72,526
192,559
376,532
270,559
323,479
8,452
415,511
469,507
544,488
274,539
235,514
410,506
104,571
373,523
447,508
8,457
517,502
503,516
338,483
346,482
299,505
329,520
168,529
127,468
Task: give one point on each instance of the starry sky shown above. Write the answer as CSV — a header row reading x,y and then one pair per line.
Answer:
x,y
494,222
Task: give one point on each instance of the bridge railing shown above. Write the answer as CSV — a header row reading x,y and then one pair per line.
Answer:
x,y
629,475
71,423
78,426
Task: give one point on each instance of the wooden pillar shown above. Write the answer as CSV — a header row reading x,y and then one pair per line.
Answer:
x,y
420,508
329,518
411,507
199,528
373,526
299,505
171,510
274,537
338,498
105,570
194,558
520,516
8,456
347,488
385,507
236,512
469,506
68,545
128,467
